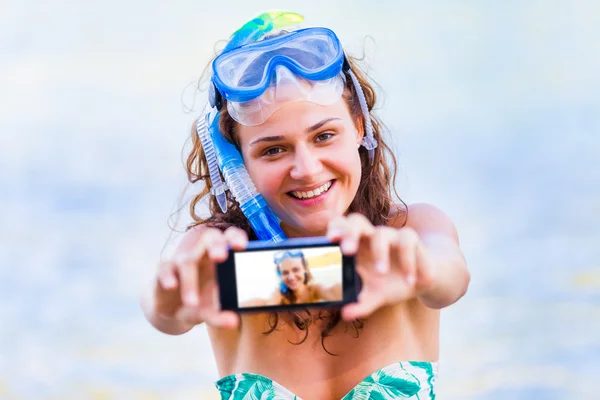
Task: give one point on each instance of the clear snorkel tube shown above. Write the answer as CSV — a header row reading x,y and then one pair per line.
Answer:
x,y
219,187
224,156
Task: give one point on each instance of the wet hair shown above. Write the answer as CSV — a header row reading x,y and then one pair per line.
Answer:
x,y
374,198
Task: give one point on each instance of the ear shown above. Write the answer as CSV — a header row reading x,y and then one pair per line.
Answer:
x,y
360,131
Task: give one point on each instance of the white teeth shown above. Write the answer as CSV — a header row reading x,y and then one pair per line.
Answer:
x,y
312,193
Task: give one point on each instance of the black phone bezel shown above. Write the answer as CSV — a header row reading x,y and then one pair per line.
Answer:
x,y
226,276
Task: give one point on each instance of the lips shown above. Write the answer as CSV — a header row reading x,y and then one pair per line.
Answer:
x,y
313,193
292,284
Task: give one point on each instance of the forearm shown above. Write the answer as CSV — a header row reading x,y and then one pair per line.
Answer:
x,y
450,276
168,325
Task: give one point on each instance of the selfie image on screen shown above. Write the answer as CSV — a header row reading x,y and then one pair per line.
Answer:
x,y
290,276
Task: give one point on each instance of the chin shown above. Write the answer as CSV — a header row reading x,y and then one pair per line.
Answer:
x,y
314,225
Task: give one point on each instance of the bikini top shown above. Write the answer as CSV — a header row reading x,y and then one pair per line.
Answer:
x,y
401,380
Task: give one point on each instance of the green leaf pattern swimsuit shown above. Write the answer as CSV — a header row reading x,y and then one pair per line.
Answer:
x,y
401,380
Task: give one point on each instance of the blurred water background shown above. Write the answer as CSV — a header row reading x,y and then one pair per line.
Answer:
x,y
494,110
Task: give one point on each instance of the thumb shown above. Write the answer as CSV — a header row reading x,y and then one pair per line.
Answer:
x,y
366,305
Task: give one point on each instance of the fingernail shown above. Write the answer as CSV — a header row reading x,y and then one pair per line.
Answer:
x,y
380,267
410,279
217,251
348,246
334,232
191,299
169,281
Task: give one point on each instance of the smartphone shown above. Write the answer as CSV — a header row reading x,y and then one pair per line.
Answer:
x,y
295,273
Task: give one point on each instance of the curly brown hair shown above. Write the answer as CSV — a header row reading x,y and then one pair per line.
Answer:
x,y
374,198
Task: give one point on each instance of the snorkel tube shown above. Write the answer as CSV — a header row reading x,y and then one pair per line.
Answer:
x,y
223,156
263,221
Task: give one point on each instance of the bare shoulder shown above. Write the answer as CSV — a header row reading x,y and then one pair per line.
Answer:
x,y
426,220
272,300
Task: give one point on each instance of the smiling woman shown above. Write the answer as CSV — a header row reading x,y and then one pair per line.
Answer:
x,y
299,113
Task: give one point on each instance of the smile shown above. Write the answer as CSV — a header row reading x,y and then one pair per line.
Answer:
x,y
311,193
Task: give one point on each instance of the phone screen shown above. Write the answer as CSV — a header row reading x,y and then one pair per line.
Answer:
x,y
288,276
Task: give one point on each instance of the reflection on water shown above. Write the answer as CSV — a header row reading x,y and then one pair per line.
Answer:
x,y
495,115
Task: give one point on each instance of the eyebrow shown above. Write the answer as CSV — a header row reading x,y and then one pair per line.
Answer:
x,y
310,129
267,139
320,124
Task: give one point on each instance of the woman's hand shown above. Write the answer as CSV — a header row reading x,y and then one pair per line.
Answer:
x,y
392,263
184,292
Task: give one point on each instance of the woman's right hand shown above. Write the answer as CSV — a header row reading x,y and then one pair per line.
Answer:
x,y
185,292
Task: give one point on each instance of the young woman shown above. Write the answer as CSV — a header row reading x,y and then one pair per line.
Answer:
x,y
316,153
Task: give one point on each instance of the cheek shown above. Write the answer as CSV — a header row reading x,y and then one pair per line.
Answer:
x,y
265,176
350,164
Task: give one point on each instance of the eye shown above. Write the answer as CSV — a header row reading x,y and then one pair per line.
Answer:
x,y
323,137
272,151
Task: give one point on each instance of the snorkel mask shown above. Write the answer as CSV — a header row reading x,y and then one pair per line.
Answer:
x,y
257,77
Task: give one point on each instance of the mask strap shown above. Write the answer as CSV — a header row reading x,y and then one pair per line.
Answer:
x,y
368,141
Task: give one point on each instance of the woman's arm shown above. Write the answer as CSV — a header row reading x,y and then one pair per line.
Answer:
x,y
449,277
418,260
273,300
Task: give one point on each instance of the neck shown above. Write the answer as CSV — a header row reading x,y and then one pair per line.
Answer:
x,y
301,294
293,232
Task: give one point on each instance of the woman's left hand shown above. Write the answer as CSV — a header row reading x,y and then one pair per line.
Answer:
x,y
392,263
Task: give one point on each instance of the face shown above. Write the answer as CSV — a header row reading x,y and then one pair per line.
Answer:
x,y
292,272
304,160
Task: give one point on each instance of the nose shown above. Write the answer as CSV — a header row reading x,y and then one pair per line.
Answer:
x,y
306,164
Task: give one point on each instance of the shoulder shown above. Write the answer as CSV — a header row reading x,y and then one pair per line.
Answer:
x,y
316,290
274,299
425,219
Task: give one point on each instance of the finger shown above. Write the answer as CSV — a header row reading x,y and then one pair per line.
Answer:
x,y
189,315
187,268
197,267
357,226
335,228
366,305
166,275
380,248
187,265
214,240
424,272
206,238
236,238
212,309
406,245
222,319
